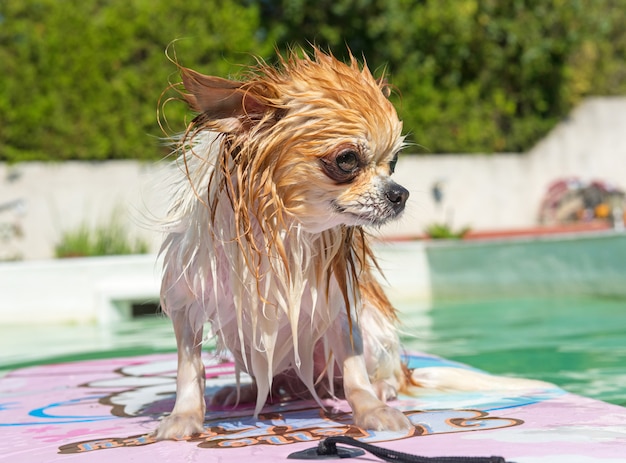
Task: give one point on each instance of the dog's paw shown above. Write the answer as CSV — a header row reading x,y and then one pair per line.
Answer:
x,y
177,426
383,418
231,396
385,391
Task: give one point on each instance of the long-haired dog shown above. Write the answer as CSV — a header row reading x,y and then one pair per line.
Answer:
x,y
281,172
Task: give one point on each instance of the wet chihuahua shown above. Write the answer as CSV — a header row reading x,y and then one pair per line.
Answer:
x,y
280,173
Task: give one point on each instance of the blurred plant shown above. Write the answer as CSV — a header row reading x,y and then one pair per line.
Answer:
x,y
441,231
92,94
473,75
103,240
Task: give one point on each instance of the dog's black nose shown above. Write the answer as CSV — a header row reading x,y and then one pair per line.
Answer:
x,y
397,195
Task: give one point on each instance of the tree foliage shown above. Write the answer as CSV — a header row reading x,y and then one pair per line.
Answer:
x,y
473,75
80,79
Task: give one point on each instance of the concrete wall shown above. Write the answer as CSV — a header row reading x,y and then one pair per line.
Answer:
x,y
482,191
59,197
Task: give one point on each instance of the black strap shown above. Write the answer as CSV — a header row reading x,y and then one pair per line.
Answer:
x,y
327,448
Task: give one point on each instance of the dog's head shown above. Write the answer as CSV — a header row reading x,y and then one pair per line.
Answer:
x,y
313,139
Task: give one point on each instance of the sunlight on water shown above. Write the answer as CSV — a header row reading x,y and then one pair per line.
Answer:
x,y
579,344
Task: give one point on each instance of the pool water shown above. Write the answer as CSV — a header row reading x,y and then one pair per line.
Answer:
x,y
578,344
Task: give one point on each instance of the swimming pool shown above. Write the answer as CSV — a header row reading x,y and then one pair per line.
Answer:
x,y
577,343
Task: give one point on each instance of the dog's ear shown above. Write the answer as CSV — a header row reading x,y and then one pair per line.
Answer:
x,y
219,98
383,83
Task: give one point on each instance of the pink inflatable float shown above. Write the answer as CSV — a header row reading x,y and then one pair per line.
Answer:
x,y
103,411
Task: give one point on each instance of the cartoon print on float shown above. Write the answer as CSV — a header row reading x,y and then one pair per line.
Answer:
x,y
279,424
143,391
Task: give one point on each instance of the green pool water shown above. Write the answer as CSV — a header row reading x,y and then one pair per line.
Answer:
x,y
579,344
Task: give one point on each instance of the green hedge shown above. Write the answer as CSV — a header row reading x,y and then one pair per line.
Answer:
x,y
80,79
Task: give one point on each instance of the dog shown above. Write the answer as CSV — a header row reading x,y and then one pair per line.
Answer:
x,y
278,177
280,174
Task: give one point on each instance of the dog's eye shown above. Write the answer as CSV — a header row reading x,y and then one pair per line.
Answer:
x,y
348,161
393,162
342,165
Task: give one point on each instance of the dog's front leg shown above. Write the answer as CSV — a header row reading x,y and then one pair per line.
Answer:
x,y
187,418
368,410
